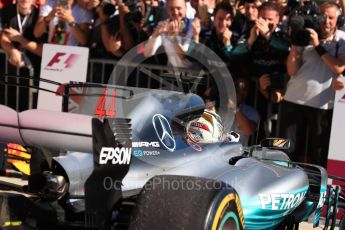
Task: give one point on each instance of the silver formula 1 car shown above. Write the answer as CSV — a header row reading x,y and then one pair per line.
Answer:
x,y
122,157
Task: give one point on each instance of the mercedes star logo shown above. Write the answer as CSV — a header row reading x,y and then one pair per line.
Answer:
x,y
163,131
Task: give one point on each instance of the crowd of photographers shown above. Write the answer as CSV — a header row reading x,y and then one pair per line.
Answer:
x,y
292,52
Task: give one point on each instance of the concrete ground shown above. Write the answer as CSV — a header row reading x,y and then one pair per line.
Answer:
x,y
309,226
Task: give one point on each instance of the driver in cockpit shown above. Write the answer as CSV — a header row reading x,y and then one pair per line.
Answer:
x,y
209,129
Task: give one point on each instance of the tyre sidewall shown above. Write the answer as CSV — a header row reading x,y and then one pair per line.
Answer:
x,y
226,205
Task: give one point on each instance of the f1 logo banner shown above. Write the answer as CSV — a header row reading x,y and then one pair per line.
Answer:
x,y
58,58
336,153
60,64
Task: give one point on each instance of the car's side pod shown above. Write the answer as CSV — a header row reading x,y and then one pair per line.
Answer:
x,y
316,195
100,199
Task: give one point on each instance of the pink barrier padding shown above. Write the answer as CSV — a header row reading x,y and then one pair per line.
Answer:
x,y
56,130
9,131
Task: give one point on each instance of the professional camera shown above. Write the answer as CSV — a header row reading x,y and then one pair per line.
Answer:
x,y
108,7
306,16
135,14
291,6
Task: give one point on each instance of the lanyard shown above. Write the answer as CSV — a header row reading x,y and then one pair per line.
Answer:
x,y
20,22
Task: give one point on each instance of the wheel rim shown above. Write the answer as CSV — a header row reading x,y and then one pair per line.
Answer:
x,y
221,209
229,221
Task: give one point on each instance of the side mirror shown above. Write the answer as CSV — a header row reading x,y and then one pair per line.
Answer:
x,y
275,143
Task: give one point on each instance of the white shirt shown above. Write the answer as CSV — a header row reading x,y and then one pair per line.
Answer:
x,y
80,15
311,86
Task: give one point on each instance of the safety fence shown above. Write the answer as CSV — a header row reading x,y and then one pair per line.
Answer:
x,y
143,75
17,92
139,75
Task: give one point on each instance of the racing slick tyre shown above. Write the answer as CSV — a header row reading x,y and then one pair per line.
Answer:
x,y
181,202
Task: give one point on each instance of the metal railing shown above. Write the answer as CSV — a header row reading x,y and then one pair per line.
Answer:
x,y
21,87
100,70
161,73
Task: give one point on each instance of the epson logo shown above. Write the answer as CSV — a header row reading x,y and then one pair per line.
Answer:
x,y
117,156
282,201
145,144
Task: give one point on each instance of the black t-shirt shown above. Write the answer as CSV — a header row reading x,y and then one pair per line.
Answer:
x,y
240,28
269,56
96,44
9,19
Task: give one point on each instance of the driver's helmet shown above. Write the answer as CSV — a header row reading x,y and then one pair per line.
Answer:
x,y
206,129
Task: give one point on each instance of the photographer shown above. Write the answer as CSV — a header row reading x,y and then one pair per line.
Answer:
x,y
173,34
154,12
244,22
308,101
107,26
219,40
266,43
23,48
18,21
266,50
65,21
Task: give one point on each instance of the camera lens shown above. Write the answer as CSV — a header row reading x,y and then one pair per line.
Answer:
x,y
108,9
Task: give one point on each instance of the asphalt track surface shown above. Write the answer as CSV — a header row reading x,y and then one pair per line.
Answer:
x,y
303,226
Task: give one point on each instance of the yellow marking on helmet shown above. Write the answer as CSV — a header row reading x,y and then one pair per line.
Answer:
x,y
207,117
